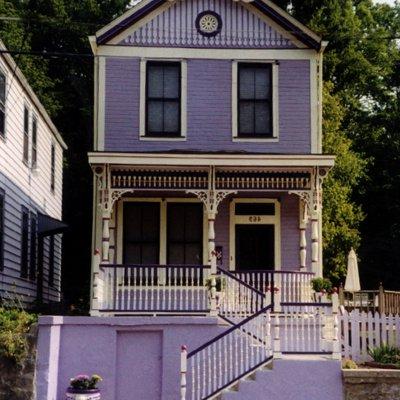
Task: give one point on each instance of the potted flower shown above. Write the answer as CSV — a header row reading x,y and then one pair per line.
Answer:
x,y
321,287
83,387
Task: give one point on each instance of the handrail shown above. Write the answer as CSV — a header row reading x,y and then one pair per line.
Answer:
x,y
228,273
161,266
231,329
310,303
272,271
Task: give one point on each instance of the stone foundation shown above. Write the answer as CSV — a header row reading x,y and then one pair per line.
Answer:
x,y
371,384
17,382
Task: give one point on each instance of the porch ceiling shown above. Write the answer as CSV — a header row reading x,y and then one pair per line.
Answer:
x,y
196,160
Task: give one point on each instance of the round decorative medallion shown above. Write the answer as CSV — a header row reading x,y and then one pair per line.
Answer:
x,y
208,23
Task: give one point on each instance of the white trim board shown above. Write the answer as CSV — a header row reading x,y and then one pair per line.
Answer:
x,y
234,160
260,220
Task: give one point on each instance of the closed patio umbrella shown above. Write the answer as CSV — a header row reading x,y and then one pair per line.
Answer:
x,y
352,283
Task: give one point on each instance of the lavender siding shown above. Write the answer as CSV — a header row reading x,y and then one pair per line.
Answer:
x,y
208,109
241,28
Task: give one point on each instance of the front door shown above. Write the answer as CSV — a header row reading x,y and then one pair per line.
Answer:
x,y
255,247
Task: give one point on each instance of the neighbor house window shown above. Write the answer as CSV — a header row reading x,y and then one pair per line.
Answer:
x,y
2,212
26,135
254,100
2,104
163,99
24,242
53,167
34,142
33,249
51,260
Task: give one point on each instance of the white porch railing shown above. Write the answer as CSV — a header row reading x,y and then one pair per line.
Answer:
x,y
280,286
153,288
230,356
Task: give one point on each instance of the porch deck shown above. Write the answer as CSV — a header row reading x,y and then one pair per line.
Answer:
x,y
161,289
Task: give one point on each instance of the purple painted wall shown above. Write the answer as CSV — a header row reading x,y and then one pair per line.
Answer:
x,y
139,358
241,28
208,109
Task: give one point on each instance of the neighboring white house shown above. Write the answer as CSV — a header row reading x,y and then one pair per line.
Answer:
x,y
31,172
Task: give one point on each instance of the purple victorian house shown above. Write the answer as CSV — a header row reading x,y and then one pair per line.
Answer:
x,y
208,169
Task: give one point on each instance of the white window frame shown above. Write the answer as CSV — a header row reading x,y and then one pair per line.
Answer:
x,y
254,220
142,105
119,242
275,102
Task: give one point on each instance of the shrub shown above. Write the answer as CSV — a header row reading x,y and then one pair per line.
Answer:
x,y
14,326
385,354
321,285
349,364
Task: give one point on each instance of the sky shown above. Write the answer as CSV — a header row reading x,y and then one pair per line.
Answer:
x,y
391,2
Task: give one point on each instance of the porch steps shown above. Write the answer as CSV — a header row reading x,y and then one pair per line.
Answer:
x,y
290,378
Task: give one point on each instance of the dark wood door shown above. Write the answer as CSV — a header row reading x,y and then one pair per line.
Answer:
x,y
141,233
255,247
185,233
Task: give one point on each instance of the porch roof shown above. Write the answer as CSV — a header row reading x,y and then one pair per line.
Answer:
x,y
212,159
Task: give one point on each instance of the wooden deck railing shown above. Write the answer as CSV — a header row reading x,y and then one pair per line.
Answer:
x,y
154,288
381,300
280,286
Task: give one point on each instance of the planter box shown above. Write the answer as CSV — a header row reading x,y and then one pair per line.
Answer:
x,y
75,394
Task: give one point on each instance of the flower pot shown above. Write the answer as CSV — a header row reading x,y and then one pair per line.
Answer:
x,y
78,394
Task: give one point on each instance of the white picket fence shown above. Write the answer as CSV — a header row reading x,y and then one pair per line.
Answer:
x,y
361,331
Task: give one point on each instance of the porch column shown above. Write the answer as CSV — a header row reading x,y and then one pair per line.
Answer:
x,y
213,259
303,237
106,216
315,244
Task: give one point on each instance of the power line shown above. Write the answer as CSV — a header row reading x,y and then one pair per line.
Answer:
x,y
47,54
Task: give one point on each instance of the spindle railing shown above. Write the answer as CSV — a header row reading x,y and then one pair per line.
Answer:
x,y
230,356
154,288
279,286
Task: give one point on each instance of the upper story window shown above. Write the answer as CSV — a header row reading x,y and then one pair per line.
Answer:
x,y
2,212
24,242
34,142
255,100
33,248
163,99
2,104
53,168
26,135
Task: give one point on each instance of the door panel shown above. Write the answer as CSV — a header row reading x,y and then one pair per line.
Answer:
x,y
255,247
185,233
141,233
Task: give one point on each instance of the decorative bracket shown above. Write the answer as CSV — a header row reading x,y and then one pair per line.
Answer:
x,y
211,198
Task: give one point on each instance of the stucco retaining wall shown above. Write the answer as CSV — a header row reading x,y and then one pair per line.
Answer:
x,y
371,384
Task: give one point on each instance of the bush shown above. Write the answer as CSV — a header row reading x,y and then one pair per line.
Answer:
x,y
349,364
321,285
14,326
385,354
84,382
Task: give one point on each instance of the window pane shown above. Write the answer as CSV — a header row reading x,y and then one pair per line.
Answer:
x,y
171,81
2,88
51,261
246,118
33,253
246,83
262,76
24,242
155,81
53,166
193,253
1,230
155,116
262,118
171,116
26,120
2,123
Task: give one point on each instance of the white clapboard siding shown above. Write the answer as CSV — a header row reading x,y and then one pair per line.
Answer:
x,y
361,331
24,186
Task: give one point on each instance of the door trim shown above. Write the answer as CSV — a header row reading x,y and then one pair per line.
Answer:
x,y
163,224
256,220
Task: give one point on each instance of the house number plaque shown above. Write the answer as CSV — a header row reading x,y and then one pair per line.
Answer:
x,y
255,218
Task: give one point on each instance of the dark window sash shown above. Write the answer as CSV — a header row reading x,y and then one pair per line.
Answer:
x,y
26,135
2,104
24,242
268,133
33,249
53,166
51,261
34,142
163,100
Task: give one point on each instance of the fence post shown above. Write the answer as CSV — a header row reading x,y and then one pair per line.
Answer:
x,y
183,372
277,340
381,299
336,348
341,295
